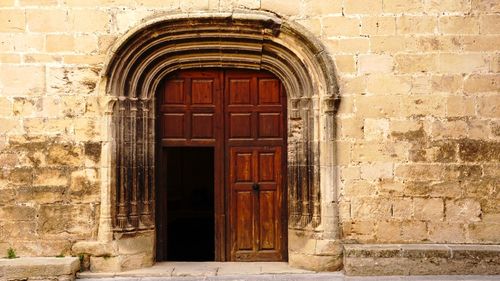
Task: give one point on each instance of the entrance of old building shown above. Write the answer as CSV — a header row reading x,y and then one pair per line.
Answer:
x,y
221,167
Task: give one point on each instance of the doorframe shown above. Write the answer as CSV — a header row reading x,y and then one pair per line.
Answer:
x,y
221,168
245,39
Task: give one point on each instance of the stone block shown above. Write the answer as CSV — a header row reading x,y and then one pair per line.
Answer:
x,y
290,8
94,248
486,5
437,151
17,213
341,26
416,24
463,63
389,84
312,7
377,171
454,129
105,264
42,20
50,177
316,263
459,106
370,208
345,64
12,79
84,186
376,129
375,64
379,152
60,43
354,45
416,259
428,209
10,58
353,85
311,24
351,128
42,194
480,43
481,83
406,63
371,107
387,44
136,245
363,7
443,6
402,6
482,232
63,220
445,232
89,20
447,83
490,24
388,231
419,171
478,151
424,105
376,25
390,188
20,229
94,3
44,268
358,189
12,20
10,126
350,173
459,25
136,261
462,210
71,80
489,106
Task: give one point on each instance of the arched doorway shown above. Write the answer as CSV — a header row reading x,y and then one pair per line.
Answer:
x,y
246,40
221,166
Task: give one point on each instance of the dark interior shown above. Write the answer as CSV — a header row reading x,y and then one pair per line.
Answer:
x,y
189,182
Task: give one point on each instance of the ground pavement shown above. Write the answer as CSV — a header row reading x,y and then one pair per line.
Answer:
x,y
255,271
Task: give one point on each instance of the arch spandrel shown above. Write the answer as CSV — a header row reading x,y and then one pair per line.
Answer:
x,y
251,41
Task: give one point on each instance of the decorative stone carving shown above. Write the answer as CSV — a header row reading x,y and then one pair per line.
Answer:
x,y
250,41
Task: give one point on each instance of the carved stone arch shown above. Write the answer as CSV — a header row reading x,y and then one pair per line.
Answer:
x,y
221,40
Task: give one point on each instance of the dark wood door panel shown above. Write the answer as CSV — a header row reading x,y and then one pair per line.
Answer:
x,y
191,108
255,204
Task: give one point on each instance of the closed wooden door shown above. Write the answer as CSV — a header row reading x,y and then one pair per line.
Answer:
x,y
241,114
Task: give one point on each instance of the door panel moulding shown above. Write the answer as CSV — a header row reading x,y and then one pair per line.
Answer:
x,y
244,40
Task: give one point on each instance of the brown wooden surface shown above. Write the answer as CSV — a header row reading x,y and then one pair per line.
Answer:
x,y
242,115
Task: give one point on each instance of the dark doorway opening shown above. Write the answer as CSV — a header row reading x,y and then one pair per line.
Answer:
x,y
189,185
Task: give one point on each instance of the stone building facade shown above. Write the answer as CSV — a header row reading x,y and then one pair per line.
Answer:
x,y
393,124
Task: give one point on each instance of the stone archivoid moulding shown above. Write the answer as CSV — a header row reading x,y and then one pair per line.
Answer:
x,y
253,40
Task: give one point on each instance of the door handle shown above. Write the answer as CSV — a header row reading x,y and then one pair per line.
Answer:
x,y
255,187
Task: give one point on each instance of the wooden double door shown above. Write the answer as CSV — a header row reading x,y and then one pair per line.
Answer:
x,y
241,115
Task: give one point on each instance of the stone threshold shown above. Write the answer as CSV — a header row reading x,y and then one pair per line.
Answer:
x,y
201,269
39,268
421,259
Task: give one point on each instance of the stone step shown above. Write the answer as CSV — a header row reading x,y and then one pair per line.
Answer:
x,y
39,268
421,259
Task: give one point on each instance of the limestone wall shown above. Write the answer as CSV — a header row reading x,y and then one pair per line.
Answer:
x,y
418,126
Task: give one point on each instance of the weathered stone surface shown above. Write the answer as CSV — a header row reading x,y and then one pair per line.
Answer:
x,y
414,259
94,248
415,137
44,268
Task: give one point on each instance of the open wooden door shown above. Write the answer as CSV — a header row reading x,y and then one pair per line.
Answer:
x,y
256,146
